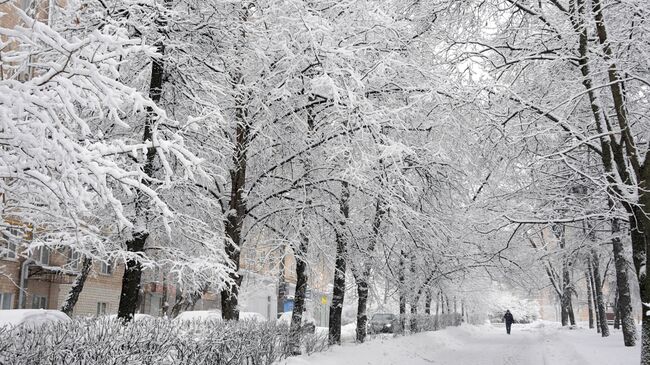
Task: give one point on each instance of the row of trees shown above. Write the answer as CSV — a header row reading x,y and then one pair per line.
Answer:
x,y
167,134
425,147
566,82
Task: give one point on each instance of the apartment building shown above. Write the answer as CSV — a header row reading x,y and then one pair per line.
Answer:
x,y
43,278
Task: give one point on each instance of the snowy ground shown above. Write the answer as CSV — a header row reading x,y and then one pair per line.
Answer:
x,y
536,344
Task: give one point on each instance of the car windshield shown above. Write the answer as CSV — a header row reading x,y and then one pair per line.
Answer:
x,y
383,317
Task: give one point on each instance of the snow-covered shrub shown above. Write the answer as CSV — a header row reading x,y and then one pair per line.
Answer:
x,y
156,341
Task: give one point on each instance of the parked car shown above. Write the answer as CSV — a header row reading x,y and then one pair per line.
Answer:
x,y
32,318
210,315
308,322
383,323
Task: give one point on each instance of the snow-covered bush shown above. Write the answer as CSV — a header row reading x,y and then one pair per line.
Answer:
x,y
151,341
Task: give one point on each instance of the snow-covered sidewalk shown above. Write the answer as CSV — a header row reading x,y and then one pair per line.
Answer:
x,y
537,344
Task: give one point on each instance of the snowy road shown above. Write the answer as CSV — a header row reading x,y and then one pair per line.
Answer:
x,y
486,345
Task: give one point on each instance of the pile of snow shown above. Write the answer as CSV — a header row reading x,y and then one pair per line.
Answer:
x,y
31,317
306,318
209,315
251,316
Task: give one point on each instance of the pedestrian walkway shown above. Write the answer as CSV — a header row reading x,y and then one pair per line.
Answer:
x,y
538,344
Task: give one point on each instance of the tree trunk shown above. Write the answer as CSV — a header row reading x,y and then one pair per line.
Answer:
x,y
77,287
414,312
362,305
338,293
402,312
132,279
617,313
436,324
427,302
402,292
178,302
589,300
133,272
593,294
364,276
572,317
447,304
295,329
600,302
236,210
164,308
282,285
624,296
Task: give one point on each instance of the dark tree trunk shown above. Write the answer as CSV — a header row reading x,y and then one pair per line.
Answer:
x,y
362,305
590,302
402,292
572,317
164,308
402,312
624,296
447,304
236,210
178,303
436,324
299,297
131,279
427,302
338,292
133,271
593,294
282,285
617,312
77,287
564,314
462,310
364,276
414,312
600,302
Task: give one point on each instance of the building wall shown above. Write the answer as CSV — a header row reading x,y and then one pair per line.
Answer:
x,y
9,278
259,294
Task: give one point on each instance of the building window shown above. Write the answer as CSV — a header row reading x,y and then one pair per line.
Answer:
x,y
6,300
74,259
10,243
106,268
39,302
42,255
102,308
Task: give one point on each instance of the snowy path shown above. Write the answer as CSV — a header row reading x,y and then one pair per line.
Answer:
x,y
486,345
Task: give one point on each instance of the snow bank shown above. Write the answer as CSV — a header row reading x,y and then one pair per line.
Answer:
x,y
30,317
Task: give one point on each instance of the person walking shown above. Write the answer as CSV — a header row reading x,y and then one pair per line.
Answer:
x,y
508,319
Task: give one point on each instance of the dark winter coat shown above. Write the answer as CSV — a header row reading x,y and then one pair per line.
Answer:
x,y
508,318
